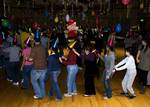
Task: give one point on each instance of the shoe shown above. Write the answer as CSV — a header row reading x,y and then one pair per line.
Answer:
x,y
132,97
15,83
35,97
9,80
125,94
143,90
75,93
67,95
58,100
23,88
105,98
86,95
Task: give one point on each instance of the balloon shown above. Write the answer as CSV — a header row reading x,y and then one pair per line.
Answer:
x,y
125,2
5,23
56,19
141,5
67,17
35,25
12,17
118,28
93,13
37,34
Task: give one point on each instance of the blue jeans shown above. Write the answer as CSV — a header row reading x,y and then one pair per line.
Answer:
x,y
71,78
38,83
107,86
26,75
2,61
54,82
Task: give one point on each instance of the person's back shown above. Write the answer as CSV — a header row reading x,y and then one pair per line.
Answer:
x,y
14,53
38,53
53,63
38,73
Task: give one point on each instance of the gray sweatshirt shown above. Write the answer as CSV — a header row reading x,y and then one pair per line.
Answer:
x,y
109,61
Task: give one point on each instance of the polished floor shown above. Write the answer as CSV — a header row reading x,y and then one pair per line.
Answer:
x,y
13,96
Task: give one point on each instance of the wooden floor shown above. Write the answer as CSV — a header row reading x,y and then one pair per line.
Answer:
x,y
12,96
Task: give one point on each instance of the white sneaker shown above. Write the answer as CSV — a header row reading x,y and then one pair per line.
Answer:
x,y
9,80
16,83
75,93
67,95
35,97
105,98
85,95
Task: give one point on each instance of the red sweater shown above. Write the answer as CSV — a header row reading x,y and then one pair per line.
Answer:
x,y
71,59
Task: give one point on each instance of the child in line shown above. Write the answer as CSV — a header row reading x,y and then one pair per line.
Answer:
x,y
109,61
129,64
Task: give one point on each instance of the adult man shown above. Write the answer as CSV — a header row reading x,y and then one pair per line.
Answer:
x,y
38,56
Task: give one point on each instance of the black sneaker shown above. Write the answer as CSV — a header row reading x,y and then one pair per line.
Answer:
x,y
132,97
125,94
143,90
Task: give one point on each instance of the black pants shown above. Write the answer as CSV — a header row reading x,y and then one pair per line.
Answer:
x,y
143,77
89,84
14,71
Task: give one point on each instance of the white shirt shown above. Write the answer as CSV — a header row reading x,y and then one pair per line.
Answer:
x,y
127,63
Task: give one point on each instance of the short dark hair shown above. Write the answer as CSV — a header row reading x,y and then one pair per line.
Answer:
x,y
130,50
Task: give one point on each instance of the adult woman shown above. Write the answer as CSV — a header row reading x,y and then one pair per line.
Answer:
x,y
54,71
143,58
26,66
72,69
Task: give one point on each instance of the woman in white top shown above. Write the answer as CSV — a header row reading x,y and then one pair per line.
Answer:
x,y
129,64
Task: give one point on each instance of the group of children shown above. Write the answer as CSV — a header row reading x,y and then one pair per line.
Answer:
x,y
52,68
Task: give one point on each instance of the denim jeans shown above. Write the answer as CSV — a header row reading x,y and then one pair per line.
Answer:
x,y
54,82
38,83
2,61
71,78
26,75
14,71
107,86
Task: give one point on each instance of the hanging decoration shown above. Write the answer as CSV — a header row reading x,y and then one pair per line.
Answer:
x,y
37,34
72,31
56,20
141,5
93,13
5,23
67,17
118,28
35,25
125,2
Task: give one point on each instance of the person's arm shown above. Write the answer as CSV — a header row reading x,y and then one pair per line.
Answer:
x,y
75,52
125,66
31,57
121,63
138,56
6,50
22,65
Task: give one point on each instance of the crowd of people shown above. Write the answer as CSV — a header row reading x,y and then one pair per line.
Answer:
x,y
40,58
